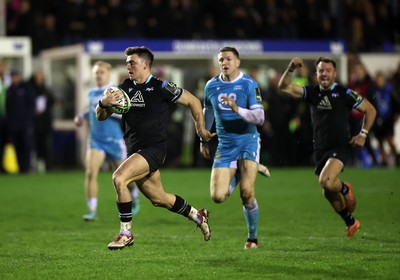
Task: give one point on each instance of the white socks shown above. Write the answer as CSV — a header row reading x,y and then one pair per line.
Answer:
x,y
92,204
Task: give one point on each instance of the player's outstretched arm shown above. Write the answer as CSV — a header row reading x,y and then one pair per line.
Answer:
x,y
285,84
191,101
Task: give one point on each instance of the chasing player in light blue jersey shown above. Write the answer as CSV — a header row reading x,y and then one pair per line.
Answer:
x,y
105,141
234,100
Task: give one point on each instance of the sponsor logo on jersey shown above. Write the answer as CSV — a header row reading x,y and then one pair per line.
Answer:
x,y
325,104
137,100
149,89
173,88
130,89
358,98
258,94
238,87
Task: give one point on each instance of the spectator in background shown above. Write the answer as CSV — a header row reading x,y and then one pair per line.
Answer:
x,y
43,120
134,20
73,15
300,124
385,13
288,19
20,19
373,40
192,17
280,110
247,21
310,25
93,19
264,129
386,102
154,19
395,79
20,108
3,130
370,23
114,25
270,14
47,35
207,28
356,36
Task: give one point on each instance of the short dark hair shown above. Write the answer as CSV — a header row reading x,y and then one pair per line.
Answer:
x,y
230,49
142,52
326,60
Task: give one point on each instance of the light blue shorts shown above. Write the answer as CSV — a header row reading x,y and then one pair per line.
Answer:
x,y
229,152
114,150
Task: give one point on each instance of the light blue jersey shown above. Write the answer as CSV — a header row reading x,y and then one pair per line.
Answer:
x,y
237,138
105,136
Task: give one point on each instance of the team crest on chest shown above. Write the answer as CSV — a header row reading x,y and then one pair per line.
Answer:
x,y
137,100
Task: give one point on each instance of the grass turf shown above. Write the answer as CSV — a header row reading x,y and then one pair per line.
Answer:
x,y
42,235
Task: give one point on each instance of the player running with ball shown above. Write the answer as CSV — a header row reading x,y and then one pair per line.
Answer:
x,y
144,128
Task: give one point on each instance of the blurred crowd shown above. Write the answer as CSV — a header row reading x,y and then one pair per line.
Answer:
x,y
26,118
366,25
25,121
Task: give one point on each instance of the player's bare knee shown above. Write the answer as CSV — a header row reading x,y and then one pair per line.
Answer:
x,y
246,195
90,175
326,183
218,198
118,181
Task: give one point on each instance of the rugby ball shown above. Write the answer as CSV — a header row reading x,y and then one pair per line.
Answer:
x,y
124,103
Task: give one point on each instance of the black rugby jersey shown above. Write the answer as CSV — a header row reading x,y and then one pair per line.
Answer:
x,y
145,123
330,111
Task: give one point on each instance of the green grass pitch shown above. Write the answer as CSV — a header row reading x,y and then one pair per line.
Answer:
x,y
42,235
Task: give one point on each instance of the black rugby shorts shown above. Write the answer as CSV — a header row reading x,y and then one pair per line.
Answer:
x,y
321,157
154,155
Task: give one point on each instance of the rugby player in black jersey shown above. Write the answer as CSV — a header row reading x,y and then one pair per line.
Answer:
x,y
144,128
331,105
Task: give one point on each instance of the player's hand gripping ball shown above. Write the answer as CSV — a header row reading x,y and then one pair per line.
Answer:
x,y
124,103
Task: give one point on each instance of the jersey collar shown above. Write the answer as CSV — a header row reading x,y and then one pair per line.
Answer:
x,y
148,79
238,77
332,87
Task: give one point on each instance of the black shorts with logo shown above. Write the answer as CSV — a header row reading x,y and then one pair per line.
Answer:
x,y
322,156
